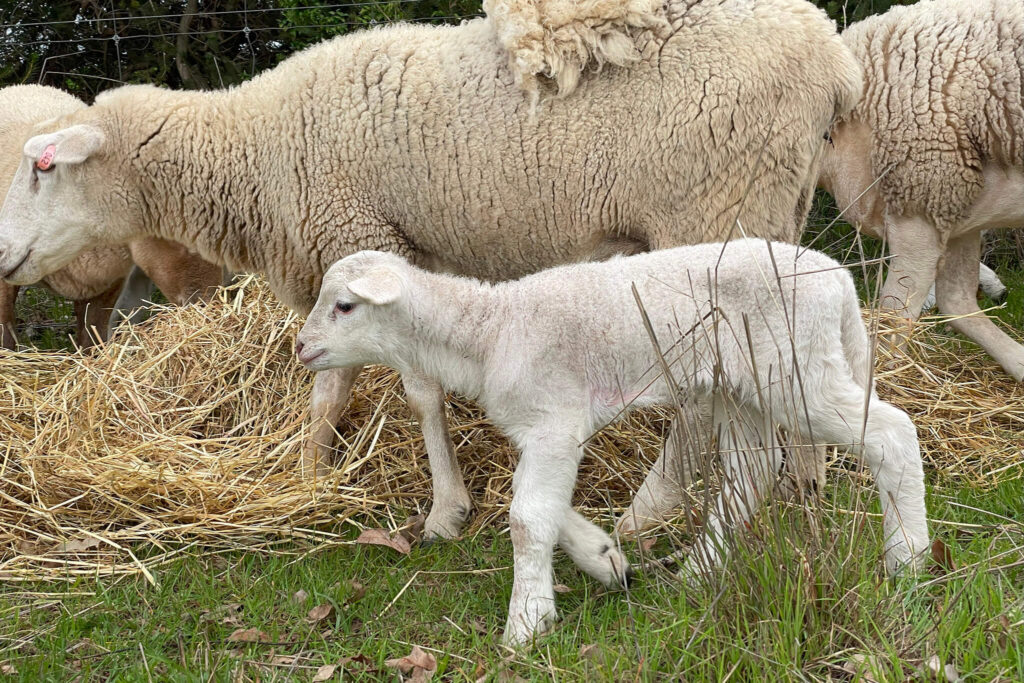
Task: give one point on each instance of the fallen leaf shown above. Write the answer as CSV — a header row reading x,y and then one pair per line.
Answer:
x,y
561,588
8,669
300,596
589,651
319,613
863,667
648,543
324,673
283,660
356,591
225,614
412,530
248,635
78,545
381,537
942,555
421,665
479,625
947,673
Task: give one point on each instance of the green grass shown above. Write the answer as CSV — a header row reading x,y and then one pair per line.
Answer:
x,y
787,608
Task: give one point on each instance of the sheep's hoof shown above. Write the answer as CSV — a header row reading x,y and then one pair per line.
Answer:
x,y
522,630
446,523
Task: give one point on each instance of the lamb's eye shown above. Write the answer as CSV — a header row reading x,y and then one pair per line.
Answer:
x,y
344,307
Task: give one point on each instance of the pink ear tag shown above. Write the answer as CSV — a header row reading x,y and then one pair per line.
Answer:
x,y
46,160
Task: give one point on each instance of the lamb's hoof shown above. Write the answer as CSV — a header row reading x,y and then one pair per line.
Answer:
x,y
446,523
522,630
618,572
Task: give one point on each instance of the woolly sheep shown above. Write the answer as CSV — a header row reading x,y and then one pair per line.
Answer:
x,y
416,139
934,152
93,280
555,356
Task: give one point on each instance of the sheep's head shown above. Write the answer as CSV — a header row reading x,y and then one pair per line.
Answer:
x,y
63,199
357,319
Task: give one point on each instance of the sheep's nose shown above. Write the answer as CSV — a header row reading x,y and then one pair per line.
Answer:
x,y
298,347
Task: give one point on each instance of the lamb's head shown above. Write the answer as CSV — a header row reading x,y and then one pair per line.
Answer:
x,y
358,318
66,196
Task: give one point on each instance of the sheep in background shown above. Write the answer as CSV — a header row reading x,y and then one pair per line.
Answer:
x,y
554,357
417,140
934,152
94,279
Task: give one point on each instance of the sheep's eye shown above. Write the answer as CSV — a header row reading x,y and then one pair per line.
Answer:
x,y
344,307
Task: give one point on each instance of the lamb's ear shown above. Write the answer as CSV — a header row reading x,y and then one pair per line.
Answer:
x,y
379,285
71,145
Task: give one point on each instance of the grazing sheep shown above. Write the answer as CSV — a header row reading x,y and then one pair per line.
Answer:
x,y
417,140
94,279
754,327
934,152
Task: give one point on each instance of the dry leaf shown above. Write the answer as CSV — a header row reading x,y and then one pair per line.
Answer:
x,y
78,545
412,530
319,613
225,614
300,596
324,673
421,665
248,635
381,537
8,669
589,651
935,670
648,543
561,588
283,660
942,555
356,591
863,667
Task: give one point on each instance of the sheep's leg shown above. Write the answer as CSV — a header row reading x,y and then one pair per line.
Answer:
x,y
94,315
891,451
956,290
663,488
137,289
750,462
915,249
542,493
331,391
451,506
594,551
8,295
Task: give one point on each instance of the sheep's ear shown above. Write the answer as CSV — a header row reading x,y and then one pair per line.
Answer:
x,y
68,146
380,285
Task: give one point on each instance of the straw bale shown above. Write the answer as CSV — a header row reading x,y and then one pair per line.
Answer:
x,y
183,435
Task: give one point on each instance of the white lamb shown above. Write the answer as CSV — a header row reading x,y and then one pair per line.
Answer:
x,y
934,152
556,356
417,140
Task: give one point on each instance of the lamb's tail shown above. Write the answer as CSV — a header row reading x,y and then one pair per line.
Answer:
x,y
557,39
854,335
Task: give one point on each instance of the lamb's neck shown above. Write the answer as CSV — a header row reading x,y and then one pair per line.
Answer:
x,y
207,172
456,324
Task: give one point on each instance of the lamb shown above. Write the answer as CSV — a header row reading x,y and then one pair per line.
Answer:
x,y
934,152
555,356
94,279
417,140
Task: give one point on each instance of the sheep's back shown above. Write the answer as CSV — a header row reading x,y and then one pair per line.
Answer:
x,y
943,97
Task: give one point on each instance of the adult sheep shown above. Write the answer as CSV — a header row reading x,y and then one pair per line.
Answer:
x,y
92,280
934,152
417,140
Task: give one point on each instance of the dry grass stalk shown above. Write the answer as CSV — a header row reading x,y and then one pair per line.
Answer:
x,y
184,433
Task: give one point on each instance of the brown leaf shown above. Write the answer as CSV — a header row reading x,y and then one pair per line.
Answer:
x,y
863,667
8,669
324,673
648,543
78,545
412,530
561,588
225,614
421,665
356,591
300,596
381,537
283,660
935,670
319,613
248,635
942,555
589,651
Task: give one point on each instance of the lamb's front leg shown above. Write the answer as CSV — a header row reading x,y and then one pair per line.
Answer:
x,y
451,506
542,485
331,391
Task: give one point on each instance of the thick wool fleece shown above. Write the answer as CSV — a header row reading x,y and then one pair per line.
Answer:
x,y
944,97
416,139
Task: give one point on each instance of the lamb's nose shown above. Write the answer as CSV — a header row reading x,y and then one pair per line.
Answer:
x,y
298,347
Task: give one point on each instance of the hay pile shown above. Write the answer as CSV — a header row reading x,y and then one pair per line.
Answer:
x,y
184,433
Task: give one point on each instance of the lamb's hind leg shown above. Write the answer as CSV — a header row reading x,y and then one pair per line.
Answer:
x,y
451,506
956,291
